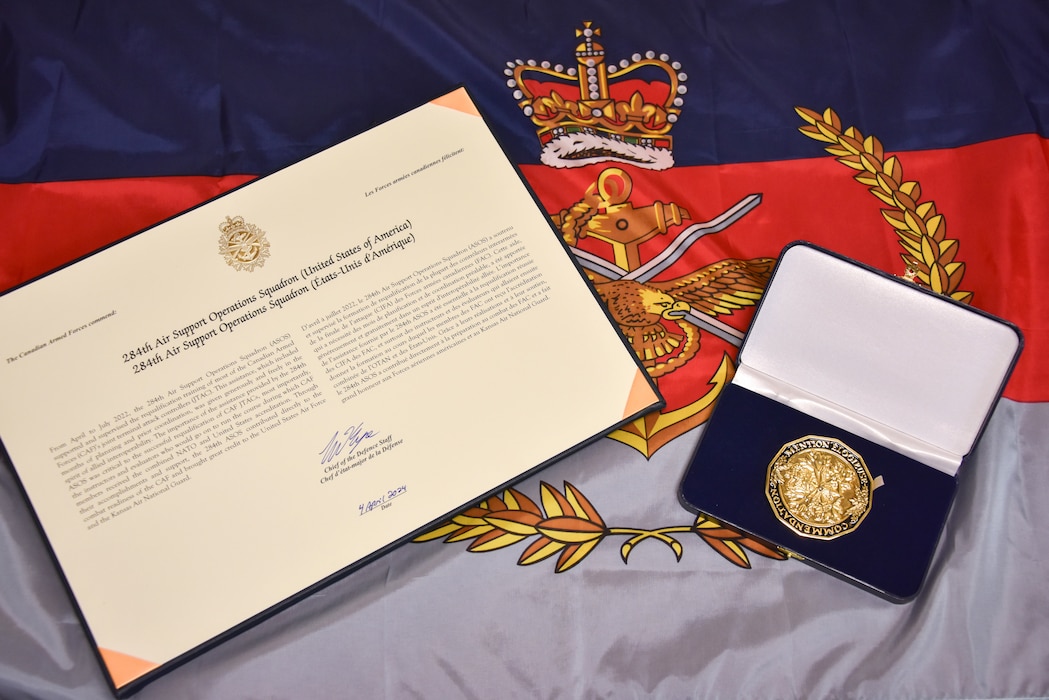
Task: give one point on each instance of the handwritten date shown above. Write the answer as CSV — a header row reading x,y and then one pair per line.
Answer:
x,y
382,501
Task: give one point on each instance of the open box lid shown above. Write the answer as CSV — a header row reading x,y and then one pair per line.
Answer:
x,y
884,358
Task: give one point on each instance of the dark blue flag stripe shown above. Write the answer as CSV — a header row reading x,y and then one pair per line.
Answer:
x,y
98,90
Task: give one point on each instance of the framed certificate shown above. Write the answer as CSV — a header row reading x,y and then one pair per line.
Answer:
x,y
213,417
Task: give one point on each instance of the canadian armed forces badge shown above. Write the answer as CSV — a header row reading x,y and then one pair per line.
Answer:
x,y
243,245
668,298
600,111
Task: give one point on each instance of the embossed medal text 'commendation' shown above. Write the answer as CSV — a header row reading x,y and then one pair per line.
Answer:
x,y
819,487
342,371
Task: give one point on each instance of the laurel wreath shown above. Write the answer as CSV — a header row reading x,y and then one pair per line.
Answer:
x,y
568,525
928,254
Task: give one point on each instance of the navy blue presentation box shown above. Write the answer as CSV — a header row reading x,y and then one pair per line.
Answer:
x,y
857,398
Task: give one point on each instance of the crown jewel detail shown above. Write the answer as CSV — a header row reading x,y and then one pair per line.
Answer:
x,y
595,111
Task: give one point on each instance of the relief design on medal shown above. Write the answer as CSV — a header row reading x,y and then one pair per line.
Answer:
x,y
819,487
243,245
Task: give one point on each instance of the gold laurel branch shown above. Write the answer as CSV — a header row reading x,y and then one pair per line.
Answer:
x,y
922,231
568,525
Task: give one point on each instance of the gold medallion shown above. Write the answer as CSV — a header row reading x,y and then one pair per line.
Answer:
x,y
243,245
819,487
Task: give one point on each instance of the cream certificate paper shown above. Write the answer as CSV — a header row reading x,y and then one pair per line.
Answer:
x,y
222,411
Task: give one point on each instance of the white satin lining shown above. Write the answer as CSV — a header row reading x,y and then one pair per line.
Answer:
x,y
846,419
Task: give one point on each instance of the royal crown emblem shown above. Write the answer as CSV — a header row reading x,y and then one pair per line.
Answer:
x,y
596,111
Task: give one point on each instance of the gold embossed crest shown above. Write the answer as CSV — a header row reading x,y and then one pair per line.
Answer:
x,y
819,487
243,245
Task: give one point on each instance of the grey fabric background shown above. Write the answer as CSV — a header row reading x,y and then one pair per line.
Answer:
x,y
430,620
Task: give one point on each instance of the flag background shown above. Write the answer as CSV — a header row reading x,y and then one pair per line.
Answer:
x,y
114,116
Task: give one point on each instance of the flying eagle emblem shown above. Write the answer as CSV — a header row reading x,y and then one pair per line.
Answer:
x,y
661,319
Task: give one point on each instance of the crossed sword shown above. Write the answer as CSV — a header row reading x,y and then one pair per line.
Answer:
x,y
681,243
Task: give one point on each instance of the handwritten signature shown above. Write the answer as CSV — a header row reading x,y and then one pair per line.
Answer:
x,y
345,441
